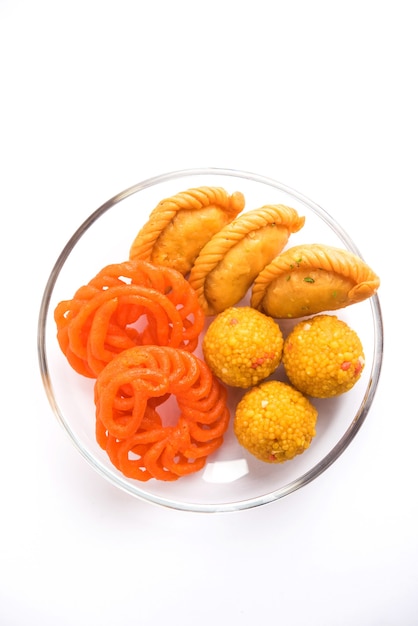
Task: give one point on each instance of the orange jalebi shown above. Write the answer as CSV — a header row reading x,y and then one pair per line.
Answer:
x,y
128,392
126,305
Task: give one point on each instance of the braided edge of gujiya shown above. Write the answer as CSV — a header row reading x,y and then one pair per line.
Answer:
x,y
319,256
195,198
231,234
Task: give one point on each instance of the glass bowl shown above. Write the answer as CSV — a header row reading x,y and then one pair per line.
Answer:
x,y
232,479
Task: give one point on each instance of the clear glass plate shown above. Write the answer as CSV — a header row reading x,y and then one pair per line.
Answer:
x,y
232,479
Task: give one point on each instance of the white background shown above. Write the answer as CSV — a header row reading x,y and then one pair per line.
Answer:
x,y
97,96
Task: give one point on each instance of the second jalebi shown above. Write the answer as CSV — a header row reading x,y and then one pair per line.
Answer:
x,y
128,394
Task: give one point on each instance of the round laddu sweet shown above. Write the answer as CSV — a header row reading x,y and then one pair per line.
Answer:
x,y
275,422
242,346
179,226
312,278
227,265
323,357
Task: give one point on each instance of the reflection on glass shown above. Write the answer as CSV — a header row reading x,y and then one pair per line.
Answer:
x,y
225,471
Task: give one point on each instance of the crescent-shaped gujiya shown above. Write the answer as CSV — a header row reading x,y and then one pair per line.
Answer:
x,y
179,226
312,278
227,265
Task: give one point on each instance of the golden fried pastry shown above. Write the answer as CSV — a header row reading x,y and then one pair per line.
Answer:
x,y
227,265
312,278
179,226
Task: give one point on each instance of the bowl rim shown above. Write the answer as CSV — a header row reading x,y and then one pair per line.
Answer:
x,y
211,507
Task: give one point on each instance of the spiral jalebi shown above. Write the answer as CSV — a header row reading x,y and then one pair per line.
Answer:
x,y
126,305
128,392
